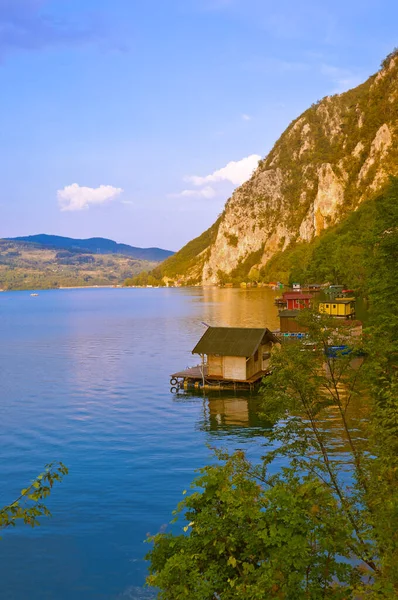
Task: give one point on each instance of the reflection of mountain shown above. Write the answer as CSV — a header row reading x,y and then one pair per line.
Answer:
x,y
233,415
240,308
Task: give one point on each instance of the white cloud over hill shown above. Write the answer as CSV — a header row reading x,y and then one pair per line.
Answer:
x,y
236,171
76,197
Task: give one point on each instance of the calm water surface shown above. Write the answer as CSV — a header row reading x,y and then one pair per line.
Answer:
x,y
84,378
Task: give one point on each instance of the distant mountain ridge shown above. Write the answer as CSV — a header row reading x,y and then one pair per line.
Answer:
x,y
95,245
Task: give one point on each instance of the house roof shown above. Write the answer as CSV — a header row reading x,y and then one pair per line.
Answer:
x,y
289,313
339,301
233,341
294,296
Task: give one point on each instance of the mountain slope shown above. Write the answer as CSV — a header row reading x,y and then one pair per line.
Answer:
x,y
344,252
332,158
96,245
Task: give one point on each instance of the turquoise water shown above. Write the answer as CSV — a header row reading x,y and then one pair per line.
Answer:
x,y
85,379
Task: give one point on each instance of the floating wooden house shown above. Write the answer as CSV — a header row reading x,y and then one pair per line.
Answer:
x,y
232,358
279,301
347,294
338,307
314,287
297,300
288,322
334,291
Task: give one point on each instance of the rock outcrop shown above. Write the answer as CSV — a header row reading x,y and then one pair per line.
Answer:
x,y
328,161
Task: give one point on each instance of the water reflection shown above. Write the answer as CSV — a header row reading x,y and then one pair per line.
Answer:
x,y
224,414
240,307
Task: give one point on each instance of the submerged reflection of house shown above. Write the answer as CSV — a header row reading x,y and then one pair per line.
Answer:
x,y
234,411
238,415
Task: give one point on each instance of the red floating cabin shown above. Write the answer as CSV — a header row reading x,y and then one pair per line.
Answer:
x,y
297,300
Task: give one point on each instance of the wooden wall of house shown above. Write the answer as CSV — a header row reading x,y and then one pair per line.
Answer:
x,y
215,365
335,309
234,368
290,325
256,363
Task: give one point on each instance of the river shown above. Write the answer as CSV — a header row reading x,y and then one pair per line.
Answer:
x,y
85,379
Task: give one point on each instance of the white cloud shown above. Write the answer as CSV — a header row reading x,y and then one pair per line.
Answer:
x,y
206,192
237,172
76,197
246,117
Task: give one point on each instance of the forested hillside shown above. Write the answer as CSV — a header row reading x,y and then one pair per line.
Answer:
x,y
25,265
333,158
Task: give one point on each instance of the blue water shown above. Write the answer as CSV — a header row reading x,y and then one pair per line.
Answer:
x,y
85,379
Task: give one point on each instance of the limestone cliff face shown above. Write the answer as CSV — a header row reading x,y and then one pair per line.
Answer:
x,y
328,161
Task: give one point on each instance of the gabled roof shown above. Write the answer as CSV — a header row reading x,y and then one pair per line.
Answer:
x,y
338,301
233,341
289,313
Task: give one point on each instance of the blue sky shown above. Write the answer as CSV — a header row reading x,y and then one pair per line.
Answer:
x,y
135,120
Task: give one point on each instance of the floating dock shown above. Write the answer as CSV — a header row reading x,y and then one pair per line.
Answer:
x,y
197,378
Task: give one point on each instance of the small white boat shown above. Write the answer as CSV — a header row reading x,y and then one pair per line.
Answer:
x,y
34,294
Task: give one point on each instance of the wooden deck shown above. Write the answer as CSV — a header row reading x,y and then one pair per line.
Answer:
x,y
191,372
196,374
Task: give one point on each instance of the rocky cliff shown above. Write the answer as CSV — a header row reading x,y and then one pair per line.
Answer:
x,y
328,161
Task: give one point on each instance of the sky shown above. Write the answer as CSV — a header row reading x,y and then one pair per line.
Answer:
x,y
136,119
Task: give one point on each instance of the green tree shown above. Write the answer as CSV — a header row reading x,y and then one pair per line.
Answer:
x,y
29,505
308,531
322,527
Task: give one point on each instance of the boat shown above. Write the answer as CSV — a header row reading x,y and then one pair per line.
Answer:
x,y
280,301
34,294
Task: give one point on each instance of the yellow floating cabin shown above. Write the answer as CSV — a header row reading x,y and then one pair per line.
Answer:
x,y
338,307
232,358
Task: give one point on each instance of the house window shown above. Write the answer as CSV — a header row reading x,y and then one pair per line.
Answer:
x,y
256,356
266,355
334,306
327,305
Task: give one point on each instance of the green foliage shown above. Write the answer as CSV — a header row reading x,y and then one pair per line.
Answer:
x,y
232,239
189,259
252,539
242,269
307,530
382,374
29,506
342,253
386,62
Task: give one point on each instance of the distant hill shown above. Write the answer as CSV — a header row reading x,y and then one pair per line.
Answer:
x,y
27,265
96,246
